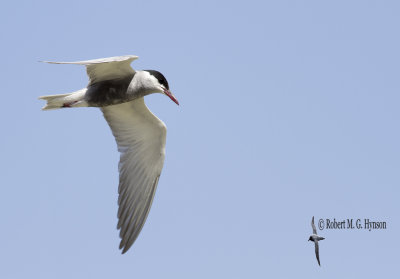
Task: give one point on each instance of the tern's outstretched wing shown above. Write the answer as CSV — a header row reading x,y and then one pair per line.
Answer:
x,y
314,229
140,137
317,251
105,68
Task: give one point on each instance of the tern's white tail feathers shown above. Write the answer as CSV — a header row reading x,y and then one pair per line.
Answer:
x,y
74,99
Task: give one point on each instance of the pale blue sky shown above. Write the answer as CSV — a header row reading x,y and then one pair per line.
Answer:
x,y
289,109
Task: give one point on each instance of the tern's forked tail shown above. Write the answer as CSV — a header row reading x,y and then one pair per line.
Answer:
x,y
69,100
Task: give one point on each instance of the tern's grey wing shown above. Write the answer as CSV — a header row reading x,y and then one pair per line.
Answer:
x,y
140,137
314,229
317,251
105,68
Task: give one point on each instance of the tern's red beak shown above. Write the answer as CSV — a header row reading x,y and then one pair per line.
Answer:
x,y
172,97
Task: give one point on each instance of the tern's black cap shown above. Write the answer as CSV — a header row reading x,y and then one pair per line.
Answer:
x,y
159,76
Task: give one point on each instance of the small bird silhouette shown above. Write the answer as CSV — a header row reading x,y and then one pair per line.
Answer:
x,y
315,238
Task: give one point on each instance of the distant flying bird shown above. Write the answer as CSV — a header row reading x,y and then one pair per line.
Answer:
x,y
118,91
315,238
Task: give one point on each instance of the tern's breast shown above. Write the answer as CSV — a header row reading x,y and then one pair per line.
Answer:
x,y
108,92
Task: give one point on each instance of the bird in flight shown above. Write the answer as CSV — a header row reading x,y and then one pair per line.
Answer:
x,y
315,238
118,90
